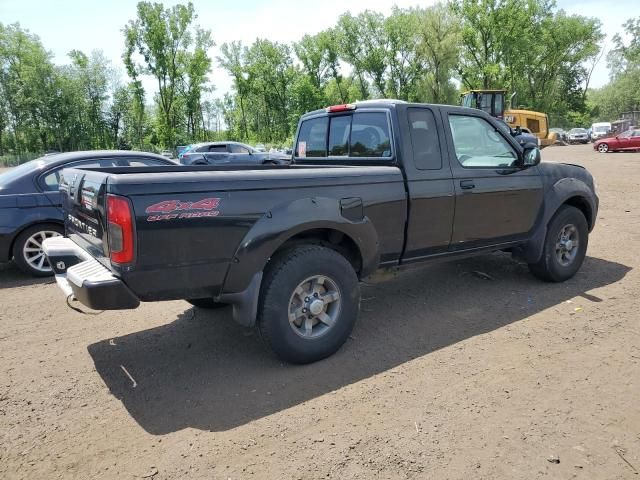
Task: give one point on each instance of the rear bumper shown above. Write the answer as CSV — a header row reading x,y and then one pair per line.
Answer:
x,y
84,278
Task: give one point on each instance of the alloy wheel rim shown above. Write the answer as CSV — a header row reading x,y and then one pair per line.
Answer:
x,y
314,306
603,147
567,245
32,250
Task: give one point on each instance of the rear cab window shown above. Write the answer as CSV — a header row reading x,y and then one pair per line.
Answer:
x,y
357,135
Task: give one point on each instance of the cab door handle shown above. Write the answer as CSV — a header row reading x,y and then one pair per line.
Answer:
x,y
467,184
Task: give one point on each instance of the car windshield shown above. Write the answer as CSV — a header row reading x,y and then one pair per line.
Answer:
x,y
602,129
17,172
578,130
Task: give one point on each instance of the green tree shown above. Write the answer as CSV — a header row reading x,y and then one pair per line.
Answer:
x,y
162,39
439,45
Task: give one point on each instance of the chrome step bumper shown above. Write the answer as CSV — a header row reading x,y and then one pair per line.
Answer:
x,y
78,274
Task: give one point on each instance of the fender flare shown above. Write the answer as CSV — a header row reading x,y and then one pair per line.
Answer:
x,y
285,221
561,193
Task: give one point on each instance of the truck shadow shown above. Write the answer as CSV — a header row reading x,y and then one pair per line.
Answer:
x,y
204,371
11,277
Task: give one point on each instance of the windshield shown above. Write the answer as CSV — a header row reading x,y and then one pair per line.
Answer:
x,y
578,130
17,172
601,129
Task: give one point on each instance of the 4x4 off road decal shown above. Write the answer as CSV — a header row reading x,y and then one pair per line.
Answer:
x,y
172,209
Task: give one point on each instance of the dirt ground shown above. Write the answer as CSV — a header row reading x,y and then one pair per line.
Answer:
x,y
448,374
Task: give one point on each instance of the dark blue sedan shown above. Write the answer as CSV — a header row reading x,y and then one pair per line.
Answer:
x,y
30,204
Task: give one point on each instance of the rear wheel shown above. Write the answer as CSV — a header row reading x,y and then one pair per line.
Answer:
x,y
27,249
565,246
603,148
309,303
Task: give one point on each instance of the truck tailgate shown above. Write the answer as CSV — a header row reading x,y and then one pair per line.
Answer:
x,y
83,193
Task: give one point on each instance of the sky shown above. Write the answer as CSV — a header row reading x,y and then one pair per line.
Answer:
x,y
64,25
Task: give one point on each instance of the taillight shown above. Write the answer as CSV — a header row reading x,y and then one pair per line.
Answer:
x,y
341,108
120,226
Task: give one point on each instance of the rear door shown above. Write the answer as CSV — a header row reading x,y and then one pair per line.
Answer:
x,y
634,140
496,200
239,154
429,181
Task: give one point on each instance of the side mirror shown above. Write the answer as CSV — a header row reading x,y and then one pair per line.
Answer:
x,y
531,157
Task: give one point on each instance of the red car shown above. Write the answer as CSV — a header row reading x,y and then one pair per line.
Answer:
x,y
629,140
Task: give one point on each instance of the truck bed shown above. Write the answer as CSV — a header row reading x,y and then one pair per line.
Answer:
x,y
186,252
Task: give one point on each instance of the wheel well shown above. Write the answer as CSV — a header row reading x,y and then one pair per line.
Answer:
x,y
330,238
581,204
15,237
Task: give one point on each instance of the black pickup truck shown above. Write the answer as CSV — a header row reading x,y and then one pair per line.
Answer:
x,y
374,186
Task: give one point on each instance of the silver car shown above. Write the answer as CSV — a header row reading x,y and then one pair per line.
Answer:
x,y
578,135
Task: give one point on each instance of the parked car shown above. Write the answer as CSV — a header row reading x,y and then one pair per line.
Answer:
x,y
600,130
260,147
561,134
578,135
166,153
31,205
629,140
522,135
229,153
375,186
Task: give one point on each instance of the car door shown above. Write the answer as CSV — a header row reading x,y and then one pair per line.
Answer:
x,y
634,140
429,182
240,154
497,200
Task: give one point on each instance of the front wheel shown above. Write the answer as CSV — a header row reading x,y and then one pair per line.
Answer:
x,y
603,148
309,303
565,246
27,249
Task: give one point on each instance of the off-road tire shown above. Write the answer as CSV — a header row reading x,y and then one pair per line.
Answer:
x,y
283,275
549,268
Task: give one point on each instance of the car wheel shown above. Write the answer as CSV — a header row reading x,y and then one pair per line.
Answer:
x,y
207,303
565,246
309,303
603,148
27,249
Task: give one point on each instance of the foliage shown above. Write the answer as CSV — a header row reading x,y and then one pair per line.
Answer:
x,y
622,94
528,47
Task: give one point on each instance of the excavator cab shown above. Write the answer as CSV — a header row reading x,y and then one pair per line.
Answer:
x,y
490,101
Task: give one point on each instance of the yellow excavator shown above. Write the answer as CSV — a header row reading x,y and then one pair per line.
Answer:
x,y
527,121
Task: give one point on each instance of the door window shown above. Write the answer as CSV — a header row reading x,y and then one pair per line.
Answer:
x,y
478,144
424,139
50,181
218,148
238,148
